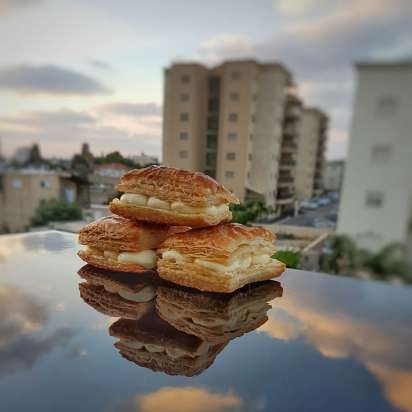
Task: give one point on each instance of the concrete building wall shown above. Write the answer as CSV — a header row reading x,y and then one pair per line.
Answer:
x,y
267,137
22,195
376,203
234,155
333,175
184,116
309,167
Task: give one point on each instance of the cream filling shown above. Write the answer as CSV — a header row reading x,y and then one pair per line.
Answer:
x,y
242,262
145,258
154,202
145,295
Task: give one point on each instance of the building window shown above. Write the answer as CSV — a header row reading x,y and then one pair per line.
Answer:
x,y
235,75
230,156
183,154
249,156
253,117
16,184
185,79
374,199
234,96
251,136
184,136
381,153
184,97
44,184
386,105
248,175
229,174
233,117
232,136
184,117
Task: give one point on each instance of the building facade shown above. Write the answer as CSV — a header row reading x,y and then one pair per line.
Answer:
x,y
311,154
228,122
376,203
333,175
22,191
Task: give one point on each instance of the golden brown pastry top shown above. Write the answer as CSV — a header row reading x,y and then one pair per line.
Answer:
x,y
118,234
171,184
216,243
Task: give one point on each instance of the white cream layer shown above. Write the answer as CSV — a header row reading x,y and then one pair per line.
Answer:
x,y
145,295
242,262
145,258
154,202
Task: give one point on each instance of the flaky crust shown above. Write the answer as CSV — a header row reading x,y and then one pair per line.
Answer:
x,y
168,217
168,183
121,281
161,362
117,234
217,243
216,317
202,278
103,262
111,304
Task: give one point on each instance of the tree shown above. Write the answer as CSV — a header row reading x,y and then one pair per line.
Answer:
x,y
53,210
247,212
341,256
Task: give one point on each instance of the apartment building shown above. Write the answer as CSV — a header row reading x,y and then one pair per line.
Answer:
x,y
22,191
333,175
376,204
311,154
227,121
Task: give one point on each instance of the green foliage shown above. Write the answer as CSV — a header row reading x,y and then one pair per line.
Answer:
x,y
81,165
55,211
345,258
342,257
289,258
116,157
247,212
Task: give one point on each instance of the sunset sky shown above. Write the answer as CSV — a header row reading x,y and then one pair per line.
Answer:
x,y
92,71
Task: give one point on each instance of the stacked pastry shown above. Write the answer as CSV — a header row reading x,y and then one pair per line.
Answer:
x,y
177,222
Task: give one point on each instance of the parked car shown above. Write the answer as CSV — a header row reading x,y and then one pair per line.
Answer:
x,y
308,205
323,201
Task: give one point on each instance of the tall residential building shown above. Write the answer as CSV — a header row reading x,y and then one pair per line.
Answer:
x,y
311,154
227,121
333,175
376,205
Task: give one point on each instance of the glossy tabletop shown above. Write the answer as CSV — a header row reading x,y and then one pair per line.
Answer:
x,y
329,343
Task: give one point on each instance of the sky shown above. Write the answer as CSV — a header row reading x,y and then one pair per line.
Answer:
x,y
74,71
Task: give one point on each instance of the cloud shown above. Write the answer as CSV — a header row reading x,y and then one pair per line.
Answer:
x,y
133,109
190,399
21,325
99,64
48,79
7,6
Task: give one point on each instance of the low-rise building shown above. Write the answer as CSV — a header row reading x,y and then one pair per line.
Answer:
x,y
144,159
22,191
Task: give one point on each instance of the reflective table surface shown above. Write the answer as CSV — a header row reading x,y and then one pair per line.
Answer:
x,y
326,344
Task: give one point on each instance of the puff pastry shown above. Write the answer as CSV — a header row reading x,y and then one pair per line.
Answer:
x,y
217,317
219,259
119,244
153,343
173,196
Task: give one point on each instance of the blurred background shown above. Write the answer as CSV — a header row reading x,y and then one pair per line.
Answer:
x,y
302,108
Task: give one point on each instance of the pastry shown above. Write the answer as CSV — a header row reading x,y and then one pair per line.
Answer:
x,y
172,196
217,317
122,245
119,294
153,343
221,258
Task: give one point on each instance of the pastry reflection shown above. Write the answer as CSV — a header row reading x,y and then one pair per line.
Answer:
x,y
119,294
153,343
217,317
170,328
